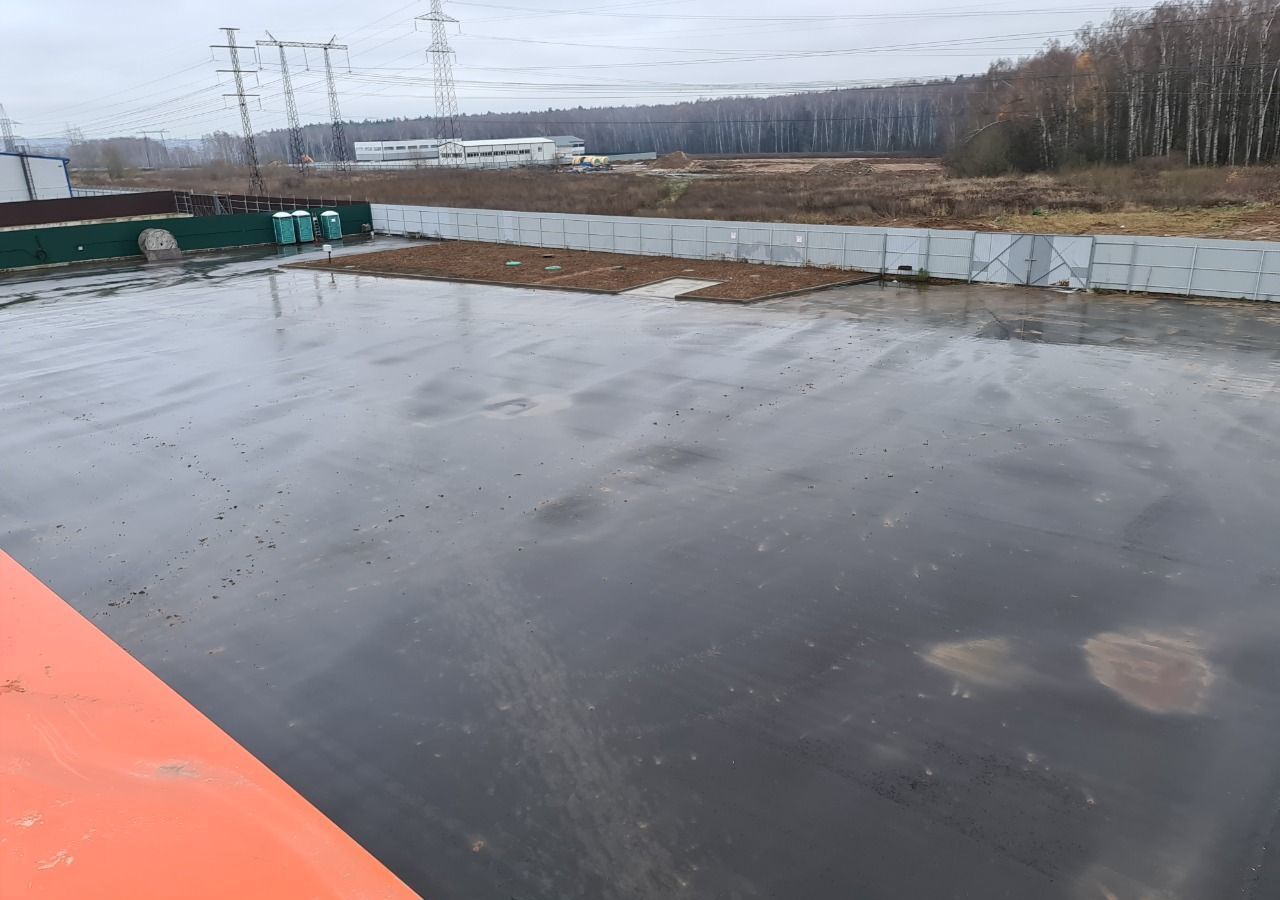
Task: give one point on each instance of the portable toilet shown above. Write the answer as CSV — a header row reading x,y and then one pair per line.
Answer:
x,y
282,225
306,231
331,225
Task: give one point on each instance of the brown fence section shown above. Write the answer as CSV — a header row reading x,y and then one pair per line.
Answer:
x,y
150,203
81,209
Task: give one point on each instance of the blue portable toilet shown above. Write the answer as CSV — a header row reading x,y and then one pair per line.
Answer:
x,y
331,225
282,226
306,231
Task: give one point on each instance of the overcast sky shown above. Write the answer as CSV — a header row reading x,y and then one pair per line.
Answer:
x,y
120,67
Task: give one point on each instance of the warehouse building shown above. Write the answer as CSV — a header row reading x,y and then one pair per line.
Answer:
x,y
29,176
501,153
492,153
403,150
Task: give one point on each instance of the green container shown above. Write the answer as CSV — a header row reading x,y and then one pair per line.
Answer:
x,y
331,225
306,231
282,226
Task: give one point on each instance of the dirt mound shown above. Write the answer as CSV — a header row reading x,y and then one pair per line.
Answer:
x,y
843,167
677,160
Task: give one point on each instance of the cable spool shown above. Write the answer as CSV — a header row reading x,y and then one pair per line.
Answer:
x,y
158,244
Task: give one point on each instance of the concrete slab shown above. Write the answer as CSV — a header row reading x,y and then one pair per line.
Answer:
x,y
671,288
891,592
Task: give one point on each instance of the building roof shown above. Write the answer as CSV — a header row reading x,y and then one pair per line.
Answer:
x,y
33,155
566,139
501,141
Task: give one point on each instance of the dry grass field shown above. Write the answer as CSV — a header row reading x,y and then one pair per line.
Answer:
x,y
1152,197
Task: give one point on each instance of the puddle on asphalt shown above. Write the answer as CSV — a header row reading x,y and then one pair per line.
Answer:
x,y
988,662
540,405
1157,672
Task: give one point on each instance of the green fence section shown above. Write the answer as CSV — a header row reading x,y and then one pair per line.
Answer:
x,y
112,240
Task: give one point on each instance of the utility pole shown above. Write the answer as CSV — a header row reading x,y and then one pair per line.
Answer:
x,y
6,131
296,148
256,184
442,68
146,141
340,158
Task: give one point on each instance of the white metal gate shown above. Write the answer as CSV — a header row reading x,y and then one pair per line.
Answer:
x,y
1041,260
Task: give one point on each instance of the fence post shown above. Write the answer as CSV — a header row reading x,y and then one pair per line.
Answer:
x,y
1088,275
1133,255
928,245
884,252
1192,275
973,240
1257,281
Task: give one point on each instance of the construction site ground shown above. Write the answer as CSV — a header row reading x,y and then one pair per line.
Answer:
x,y
610,273
1236,203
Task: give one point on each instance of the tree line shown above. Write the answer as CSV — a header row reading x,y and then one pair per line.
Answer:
x,y
1198,81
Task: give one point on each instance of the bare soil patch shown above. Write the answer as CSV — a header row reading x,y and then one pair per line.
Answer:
x,y
585,270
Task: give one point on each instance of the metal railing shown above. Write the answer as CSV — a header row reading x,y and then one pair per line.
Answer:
x,y
106,192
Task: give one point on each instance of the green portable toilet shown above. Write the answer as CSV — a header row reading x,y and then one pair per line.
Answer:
x,y
331,225
282,225
306,231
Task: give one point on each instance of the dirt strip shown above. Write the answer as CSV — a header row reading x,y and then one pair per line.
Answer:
x,y
587,270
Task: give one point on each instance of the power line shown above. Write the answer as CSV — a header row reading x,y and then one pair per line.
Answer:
x,y
297,150
442,69
256,184
603,12
6,131
146,141
339,141
339,155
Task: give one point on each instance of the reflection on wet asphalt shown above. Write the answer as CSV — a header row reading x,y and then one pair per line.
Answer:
x,y
878,593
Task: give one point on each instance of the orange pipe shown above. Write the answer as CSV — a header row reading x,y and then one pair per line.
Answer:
x,y
112,785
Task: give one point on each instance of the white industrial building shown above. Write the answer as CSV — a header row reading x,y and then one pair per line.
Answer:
x,y
397,151
499,153
26,176
493,153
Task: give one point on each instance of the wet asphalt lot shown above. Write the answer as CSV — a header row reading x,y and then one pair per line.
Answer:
x,y
881,593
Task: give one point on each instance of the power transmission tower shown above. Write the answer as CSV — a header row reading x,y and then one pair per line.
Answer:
x,y
341,159
442,68
146,141
6,131
256,184
297,150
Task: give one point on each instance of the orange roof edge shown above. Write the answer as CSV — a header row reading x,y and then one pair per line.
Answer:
x,y
112,785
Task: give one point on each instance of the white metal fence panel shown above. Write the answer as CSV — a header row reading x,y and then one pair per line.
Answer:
x,y
1001,258
948,253
1060,260
1247,270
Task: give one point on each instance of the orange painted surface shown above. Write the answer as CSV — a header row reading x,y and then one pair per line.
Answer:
x,y
112,785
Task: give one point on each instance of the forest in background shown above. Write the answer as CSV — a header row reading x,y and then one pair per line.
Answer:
x,y
1196,81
